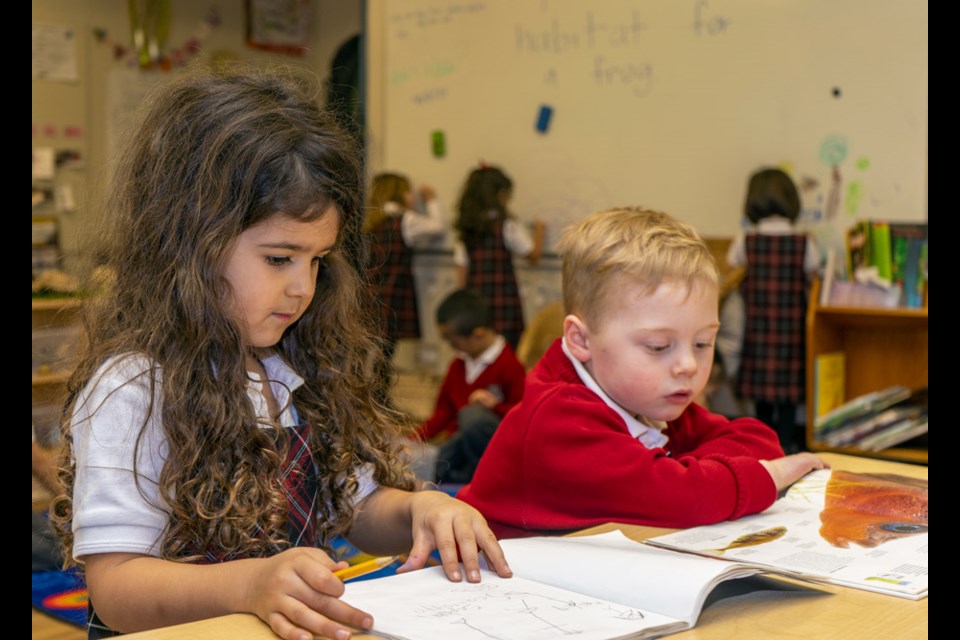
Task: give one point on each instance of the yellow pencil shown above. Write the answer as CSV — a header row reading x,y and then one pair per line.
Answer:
x,y
364,567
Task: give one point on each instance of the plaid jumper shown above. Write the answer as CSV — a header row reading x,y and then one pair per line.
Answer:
x,y
390,271
300,488
772,365
491,275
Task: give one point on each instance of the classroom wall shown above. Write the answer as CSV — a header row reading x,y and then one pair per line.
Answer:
x,y
666,103
88,114
705,92
669,104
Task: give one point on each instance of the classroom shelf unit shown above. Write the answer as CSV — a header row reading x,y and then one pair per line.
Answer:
x,y
55,335
883,347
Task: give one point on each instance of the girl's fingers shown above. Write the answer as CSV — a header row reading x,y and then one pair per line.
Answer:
x,y
417,557
330,618
491,549
467,545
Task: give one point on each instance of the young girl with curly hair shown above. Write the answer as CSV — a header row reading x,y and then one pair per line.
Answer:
x,y
222,426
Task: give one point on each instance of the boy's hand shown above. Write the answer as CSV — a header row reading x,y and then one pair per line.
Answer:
x,y
483,397
788,469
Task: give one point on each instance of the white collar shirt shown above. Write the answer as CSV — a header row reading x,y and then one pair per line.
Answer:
x,y
475,366
648,432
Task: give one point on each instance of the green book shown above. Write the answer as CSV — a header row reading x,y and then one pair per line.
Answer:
x,y
881,253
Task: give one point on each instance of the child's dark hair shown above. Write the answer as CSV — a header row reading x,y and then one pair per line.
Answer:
x,y
482,201
771,192
463,311
217,152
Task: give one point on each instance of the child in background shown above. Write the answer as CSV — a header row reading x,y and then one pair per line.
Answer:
x,y
483,382
47,554
222,429
489,237
607,429
779,263
394,228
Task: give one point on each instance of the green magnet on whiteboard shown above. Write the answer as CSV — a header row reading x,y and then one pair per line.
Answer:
x,y
439,144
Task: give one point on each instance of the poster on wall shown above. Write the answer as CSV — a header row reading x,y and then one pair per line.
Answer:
x,y
282,26
54,52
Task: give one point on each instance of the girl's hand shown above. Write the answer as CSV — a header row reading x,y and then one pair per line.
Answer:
x,y
788,469
539,232
296,593
445,523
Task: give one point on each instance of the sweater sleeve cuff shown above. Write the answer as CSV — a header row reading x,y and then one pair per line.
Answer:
x,y
756,489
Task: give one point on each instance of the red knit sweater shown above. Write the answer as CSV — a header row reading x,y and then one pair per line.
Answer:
x,y
564,460
504,376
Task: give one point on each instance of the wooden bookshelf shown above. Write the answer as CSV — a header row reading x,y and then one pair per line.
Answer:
x,y
49,382
883,347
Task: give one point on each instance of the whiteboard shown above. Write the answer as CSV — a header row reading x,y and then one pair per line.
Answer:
x,y
669,104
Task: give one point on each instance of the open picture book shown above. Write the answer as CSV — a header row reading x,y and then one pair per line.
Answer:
x,y
596,587
861,530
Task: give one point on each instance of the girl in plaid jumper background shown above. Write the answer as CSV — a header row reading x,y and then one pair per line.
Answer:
x,y
780,262
393,227
489,237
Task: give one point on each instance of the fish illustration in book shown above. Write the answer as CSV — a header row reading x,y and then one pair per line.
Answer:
x,y
868,509
755,538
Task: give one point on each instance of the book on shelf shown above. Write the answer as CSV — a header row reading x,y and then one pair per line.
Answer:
x,y
896,413
853,434
829,381
906,420
895,434
594,587
908,242
889,256
829,274
858,247
861,530
859,407
881,255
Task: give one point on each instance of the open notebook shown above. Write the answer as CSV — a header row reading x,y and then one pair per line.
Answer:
x,y
594,587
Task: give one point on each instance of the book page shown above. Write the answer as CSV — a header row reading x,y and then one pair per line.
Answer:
x,y
425,604
614,567
816,528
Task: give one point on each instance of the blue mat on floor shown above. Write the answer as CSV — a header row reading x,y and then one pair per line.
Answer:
x,y
62,595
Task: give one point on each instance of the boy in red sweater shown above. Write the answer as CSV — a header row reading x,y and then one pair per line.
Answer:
x,y
483,382
607,429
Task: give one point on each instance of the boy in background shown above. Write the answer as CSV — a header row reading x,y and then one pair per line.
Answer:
x,y
608,429
483,382
47,554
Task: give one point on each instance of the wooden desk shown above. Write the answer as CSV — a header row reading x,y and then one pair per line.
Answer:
x,y
824,612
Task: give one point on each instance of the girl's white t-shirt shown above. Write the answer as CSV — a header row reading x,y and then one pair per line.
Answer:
x,y
114,509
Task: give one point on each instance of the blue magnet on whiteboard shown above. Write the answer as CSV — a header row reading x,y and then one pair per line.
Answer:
x,y
543,118
439,143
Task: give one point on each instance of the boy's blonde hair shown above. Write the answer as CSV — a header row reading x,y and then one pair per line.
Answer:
x,y
649,247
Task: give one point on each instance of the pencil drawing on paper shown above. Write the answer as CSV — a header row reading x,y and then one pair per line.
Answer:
x,y
498,612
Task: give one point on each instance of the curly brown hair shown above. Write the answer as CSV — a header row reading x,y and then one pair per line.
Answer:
x,y
217,152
